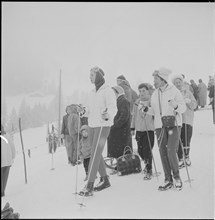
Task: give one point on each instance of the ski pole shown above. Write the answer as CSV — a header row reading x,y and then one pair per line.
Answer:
x,y
189,180
156,173
78,142
91,165
23,152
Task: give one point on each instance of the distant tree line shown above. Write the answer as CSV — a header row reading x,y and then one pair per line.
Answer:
x,y
39,114
31,117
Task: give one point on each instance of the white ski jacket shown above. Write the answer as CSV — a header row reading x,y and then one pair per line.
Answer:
x,y
98,102
170,92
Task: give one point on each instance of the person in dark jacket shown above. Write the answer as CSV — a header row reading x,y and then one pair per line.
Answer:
x,y
211,96
120,134
130,94
74,125
65,133
52,140
195,90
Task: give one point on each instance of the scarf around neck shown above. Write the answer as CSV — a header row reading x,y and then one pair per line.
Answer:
x,y
99,81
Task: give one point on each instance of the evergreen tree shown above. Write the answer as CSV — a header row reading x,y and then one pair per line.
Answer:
x,y
52,114
25,114
13,122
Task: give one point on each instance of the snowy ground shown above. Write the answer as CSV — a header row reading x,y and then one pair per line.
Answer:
x,y
49,193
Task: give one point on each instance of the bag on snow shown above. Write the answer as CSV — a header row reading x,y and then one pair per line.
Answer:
x,y
128,163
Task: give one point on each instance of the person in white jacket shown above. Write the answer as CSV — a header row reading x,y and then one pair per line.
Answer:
x,y
167,100
187,120
7,158
101,109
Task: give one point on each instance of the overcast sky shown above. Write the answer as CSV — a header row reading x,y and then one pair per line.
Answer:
x,y
132,39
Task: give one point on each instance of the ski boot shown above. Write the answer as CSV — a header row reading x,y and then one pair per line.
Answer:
x,y
178,184
88,190
148,175
167,185
181,164
188,162
103,184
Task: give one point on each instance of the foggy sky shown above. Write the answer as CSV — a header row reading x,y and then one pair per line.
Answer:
x,y
133,39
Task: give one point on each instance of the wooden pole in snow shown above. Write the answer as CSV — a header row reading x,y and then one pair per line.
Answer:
x,y
59,110
23,151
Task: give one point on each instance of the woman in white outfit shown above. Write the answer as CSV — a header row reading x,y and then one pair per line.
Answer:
x,y
100,110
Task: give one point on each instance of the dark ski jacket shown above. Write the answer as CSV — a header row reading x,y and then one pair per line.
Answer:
x,y
119,136
64,129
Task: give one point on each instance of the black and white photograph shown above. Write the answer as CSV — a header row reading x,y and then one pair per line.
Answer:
x,y
107,110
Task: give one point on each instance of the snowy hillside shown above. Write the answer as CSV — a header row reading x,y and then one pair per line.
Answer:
x,y
49,193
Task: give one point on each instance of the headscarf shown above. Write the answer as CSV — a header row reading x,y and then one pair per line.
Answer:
x,y
99,79
119,90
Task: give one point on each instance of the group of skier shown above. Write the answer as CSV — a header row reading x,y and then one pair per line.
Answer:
x,y
116,113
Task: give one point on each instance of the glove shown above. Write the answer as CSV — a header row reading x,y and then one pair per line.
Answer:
x,y
145,109
173,103
105,115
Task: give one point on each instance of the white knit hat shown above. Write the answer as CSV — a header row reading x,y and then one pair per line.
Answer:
x,y
163,73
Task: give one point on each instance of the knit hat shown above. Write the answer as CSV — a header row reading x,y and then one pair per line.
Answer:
x,y
96,69
121,77
177,76
162,73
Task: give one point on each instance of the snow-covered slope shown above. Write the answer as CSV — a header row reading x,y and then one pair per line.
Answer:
x,y
49,193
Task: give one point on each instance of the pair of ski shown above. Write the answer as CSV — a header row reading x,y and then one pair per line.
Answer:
x,y
7,212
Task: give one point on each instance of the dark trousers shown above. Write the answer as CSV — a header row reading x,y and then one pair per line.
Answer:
x,y
168,142
186,134
4,177
143,145
86,164
213,111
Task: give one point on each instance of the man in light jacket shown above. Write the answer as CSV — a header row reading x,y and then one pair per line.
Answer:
x,y
167,100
